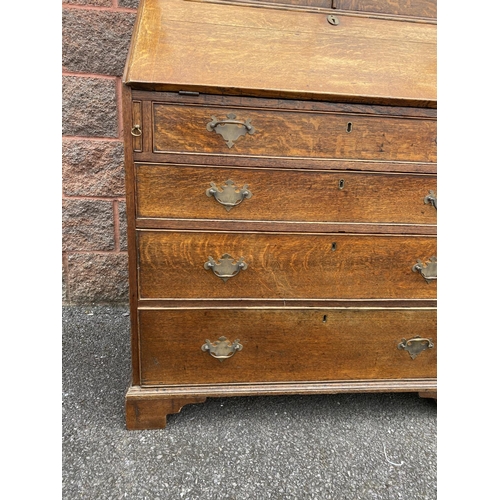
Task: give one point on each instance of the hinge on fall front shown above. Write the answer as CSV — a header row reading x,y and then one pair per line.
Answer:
x,y
188,92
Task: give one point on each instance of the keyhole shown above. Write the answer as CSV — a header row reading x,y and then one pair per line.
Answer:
x,y
334,246
324,318
349,127
341,183
333,20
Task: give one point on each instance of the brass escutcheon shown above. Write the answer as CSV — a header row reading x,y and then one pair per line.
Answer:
x,y
222,349
431,199
230,129
415,345
229,195
427,270
333,20
226,267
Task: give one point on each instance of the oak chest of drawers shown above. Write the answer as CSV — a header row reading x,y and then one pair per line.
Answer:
x,y
281,194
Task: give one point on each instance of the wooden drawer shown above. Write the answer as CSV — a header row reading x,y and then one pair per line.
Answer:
x,y
288,133
284,345
176,191
310,266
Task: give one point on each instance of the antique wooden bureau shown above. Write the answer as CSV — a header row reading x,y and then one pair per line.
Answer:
x,y
281,194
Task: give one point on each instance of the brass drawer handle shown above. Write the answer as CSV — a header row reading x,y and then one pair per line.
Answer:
x,y
431,199
136,131
230,129
226,267
229,195
415,345
427,270
222,349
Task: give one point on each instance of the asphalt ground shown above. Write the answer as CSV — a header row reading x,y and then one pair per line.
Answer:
x,y
345,446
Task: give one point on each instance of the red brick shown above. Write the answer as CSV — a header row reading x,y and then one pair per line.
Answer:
x,y
89,107
98,278
122,212
96,41
98,3
93,168
131,4
64,285
88,225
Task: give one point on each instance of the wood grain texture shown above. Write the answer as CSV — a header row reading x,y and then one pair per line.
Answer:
x,y
411,8
150,411
290,53
288,227
240,101
284,345
239,303
278,388
283,195
147,407
343,154
284,265
286,163
127,106
314,4
290,133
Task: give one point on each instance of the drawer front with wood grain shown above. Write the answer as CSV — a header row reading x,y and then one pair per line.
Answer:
x,y
210,346
175,191
279,266
287,133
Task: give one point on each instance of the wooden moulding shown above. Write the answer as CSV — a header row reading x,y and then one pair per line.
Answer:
x,y
147,408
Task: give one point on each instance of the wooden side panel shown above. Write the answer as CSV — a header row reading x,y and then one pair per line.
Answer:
x,y
284,345
295,134
284,266
127,107
284,195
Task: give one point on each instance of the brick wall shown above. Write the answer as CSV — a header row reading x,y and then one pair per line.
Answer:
x,y
96,35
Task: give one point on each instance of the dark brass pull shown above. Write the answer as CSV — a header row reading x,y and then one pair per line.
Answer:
x,y
222,349
230,129
228,195
428,270
226,267
415,346
136,131
431,199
